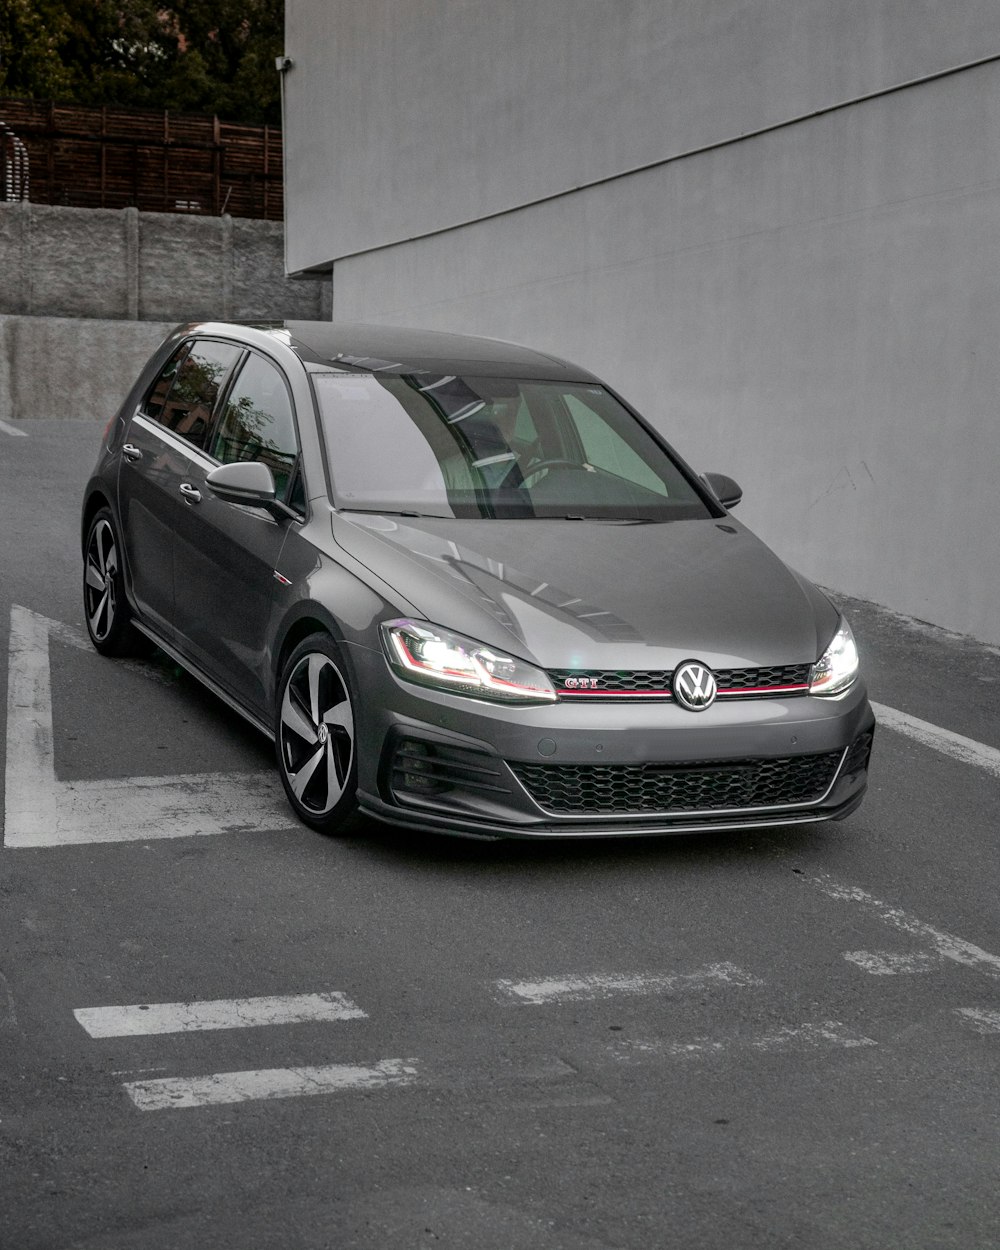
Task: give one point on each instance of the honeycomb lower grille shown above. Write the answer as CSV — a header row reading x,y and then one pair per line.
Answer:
x,y
638,789
645,683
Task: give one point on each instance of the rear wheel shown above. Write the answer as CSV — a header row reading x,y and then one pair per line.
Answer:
x,y
109,620
315,736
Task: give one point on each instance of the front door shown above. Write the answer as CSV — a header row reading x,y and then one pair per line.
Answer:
x,y
225,554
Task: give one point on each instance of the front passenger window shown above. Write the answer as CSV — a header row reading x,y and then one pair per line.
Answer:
x,y
257,423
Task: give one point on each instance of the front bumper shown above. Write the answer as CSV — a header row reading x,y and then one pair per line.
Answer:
x,y
431,760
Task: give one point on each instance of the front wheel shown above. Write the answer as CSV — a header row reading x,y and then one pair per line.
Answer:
x,y
109,620
315,736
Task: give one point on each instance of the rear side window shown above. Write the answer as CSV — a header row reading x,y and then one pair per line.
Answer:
x,y
257,423
184,396
157,397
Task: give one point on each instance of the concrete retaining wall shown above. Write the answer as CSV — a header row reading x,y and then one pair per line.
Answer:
x,y
123,264
86,294
59,369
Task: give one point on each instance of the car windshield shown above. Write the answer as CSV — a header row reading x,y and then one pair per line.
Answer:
x,y
440,445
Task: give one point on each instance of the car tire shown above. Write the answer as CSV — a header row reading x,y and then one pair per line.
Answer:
x,y
315,736
106,608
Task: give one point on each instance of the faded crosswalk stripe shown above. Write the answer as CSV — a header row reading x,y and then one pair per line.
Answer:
x,y
793,1038
579,988
179,1093
222,1013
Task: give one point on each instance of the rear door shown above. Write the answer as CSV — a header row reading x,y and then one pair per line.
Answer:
x,y
165,437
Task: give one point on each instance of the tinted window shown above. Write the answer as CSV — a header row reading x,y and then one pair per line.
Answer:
x,y
495,447
157,397
607,448
257,423
188,405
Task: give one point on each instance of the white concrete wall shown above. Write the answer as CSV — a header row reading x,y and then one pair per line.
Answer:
x,y
404,116
815,310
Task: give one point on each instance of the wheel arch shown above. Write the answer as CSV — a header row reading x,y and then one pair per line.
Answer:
x,y
309,619
95,501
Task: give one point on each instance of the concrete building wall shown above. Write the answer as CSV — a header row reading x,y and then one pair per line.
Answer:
x,y
405,117
122,264
806,302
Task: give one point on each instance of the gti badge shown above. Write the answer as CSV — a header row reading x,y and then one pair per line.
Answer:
x,y
694,686
580,683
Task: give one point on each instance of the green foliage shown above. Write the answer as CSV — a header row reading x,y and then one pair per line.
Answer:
x,y
193,56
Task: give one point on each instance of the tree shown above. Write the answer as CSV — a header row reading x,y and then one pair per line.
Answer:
x,y
192,56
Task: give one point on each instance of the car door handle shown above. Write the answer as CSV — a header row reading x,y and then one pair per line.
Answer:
x,y
131,452
191,493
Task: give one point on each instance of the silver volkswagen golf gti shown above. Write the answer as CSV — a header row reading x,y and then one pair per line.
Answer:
x,y
465,587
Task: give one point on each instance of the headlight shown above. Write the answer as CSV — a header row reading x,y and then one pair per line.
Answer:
x,y
437,657
838,667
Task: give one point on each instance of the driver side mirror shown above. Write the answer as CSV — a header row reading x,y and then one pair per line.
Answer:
x,y
725,489
243,481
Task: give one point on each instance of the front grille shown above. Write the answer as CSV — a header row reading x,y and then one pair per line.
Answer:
x,y
656,683
427,769
763,678
636,789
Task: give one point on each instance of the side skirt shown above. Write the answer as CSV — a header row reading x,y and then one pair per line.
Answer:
x,y
206,681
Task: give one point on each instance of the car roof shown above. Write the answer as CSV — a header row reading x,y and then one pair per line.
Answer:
x,y
399,350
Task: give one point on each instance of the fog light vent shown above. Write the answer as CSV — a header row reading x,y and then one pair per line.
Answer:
x,y
425,769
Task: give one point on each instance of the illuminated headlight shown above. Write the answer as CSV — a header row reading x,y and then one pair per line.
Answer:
x,y
437,657
838,667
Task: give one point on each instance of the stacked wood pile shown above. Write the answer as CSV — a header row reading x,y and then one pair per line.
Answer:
x,y
156,162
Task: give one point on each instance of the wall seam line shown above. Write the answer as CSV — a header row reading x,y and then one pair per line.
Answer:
x,y
660,162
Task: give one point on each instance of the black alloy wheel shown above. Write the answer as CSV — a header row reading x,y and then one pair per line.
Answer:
x,y
315,736
108,615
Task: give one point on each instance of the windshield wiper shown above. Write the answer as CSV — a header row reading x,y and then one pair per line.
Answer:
x,y
435,516
606,520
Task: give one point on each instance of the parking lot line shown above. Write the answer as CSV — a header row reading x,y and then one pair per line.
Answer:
x,y
947,945
12,429
983,1020
891,963
575,988
180,1093
40,810
967,750
222,1013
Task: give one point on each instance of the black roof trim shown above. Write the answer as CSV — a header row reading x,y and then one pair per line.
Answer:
x,y
397,349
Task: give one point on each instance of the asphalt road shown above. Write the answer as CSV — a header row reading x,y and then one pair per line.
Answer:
x,y
779,1040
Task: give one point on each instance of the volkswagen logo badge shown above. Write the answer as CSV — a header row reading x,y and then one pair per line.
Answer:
x,y
694,686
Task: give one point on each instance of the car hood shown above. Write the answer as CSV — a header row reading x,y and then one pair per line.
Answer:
x,y
593,594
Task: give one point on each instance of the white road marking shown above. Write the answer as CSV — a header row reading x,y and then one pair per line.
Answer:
x,y
222,1013
573,988
891,964
229,1087
967,750
982,1019
8,1016
947,945
40,810
803,1037
12,429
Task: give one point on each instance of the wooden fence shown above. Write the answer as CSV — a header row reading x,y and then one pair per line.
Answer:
x,y
156,162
